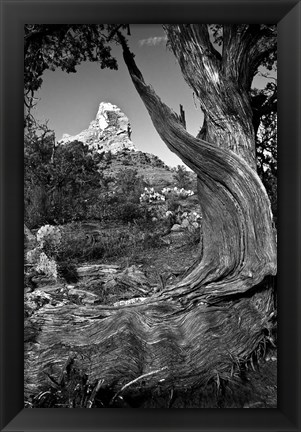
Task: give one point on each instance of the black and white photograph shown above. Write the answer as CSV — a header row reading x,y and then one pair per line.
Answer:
x,y
150,216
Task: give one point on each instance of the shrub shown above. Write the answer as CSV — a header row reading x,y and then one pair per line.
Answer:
x,y
150,196
181,177
80,244
60,182
68,271
73,243
173,205
129,212
152,240
176,192
49,237
35,206
47,266
129,185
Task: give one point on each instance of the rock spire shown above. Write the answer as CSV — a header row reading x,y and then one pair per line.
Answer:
x,y
110,131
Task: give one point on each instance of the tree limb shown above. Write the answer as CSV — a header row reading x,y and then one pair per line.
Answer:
x,y
229,183
244,48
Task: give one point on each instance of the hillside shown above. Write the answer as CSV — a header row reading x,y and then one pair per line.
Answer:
x,y
109,134
153,170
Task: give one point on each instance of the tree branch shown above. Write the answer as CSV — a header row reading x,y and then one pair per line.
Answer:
x,y
244,48
197,57
227,182
263,105
201,34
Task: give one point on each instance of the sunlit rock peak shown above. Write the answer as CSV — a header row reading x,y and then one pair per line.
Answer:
x,y
110,131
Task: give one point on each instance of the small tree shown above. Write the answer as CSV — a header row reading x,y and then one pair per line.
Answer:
x,y
59,187
181,177
129,185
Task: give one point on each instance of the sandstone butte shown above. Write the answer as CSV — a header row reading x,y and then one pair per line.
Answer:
x,y
111,130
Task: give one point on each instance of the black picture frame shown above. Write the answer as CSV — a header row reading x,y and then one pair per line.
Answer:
x,y
14,14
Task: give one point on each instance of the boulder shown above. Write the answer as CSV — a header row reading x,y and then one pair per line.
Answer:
x,y
185,223
176,228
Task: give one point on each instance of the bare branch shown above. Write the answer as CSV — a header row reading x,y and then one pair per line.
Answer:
x,y
136,380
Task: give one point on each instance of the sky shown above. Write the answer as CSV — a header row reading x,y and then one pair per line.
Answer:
x,y
70,101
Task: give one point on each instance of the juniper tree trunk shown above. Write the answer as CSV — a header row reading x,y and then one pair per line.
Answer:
x,y
215,318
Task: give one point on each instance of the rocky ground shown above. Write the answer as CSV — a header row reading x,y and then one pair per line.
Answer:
x,y
109,282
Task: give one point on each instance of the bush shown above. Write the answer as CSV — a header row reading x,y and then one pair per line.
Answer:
x,y
36,208
150,196
73,243
49,237
173,205
129,212
152,240
176,192
129,185
68,271
181,177
60,182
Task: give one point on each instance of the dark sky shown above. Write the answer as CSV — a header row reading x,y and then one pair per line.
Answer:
x,y
70,101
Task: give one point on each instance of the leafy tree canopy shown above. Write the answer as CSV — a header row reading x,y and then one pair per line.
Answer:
x,y
60,182
49,46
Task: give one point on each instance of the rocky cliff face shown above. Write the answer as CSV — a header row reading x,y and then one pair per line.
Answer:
x,y
110,131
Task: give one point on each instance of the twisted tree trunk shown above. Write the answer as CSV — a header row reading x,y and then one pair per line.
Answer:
x,y
216,316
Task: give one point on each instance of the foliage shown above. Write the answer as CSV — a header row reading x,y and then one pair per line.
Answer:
x,y
266,144
49,46
149,196
177,193
181,177
122,202
173,204
47,266
129,212
129,185
41,263
73,245
68,271
80,244
61,183
152,240
42,257
49,237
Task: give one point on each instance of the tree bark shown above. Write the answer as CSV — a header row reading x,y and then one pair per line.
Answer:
x,y
214,319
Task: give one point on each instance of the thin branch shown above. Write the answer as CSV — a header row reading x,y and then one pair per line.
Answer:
x,y
129,58
134,381
113,32
94,393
